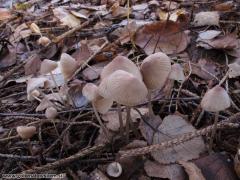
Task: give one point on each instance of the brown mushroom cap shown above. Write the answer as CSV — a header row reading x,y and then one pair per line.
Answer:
x,y
68,65
155,70
90,91
44,41
48,66
216,99
124,88
121,63
26,132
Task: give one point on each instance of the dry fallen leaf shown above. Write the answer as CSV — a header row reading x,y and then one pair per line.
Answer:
x,y
225,6
192,170
155,169
5,14
208,18
33,65
165,36
9,59
119,11
173,126
234,69
226,42
207,35
93,72
21,32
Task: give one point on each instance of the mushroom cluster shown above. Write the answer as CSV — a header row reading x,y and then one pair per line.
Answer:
x,y
126,84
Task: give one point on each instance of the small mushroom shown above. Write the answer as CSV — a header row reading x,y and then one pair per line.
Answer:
x,y
215,100
68,66
114,169
44,41
155,70
121,63
99,104
47,66
124,88
26,132
34,28
34,95
51,113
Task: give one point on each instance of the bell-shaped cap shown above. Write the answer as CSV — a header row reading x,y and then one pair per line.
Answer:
x,y
44,41
26,132
68,66
216,99
124,88
102,105
51,113
155,70
121,63
48,66
177,72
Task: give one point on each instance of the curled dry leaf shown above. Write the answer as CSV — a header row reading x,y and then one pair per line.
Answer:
x,y
173,126
119,11
207,35
208,18
155,169
226,42
192,170
166,36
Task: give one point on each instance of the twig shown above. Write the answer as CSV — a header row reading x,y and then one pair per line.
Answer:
x,y
24,158
174,142
65,161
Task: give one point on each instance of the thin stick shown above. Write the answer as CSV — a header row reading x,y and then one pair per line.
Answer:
x,y
214,131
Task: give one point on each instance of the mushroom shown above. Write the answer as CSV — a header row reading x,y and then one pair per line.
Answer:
x,y
51,113
44,41
68,66
124,88
47,66
114,169
34,95
215,100
121,63
125,64
155,70
99,104
26,132
34,28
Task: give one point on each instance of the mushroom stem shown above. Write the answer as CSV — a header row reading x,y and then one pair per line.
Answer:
x,y
149,97
105,131
214,131
128,109
120,118
55,83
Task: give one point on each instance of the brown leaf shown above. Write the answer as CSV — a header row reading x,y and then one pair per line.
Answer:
x,y
119,11
225,6
192,170
216,167
165,36
93,72
155,169
227,42
5,14
83,53
205,69
147,128
33,65
173,126
9,59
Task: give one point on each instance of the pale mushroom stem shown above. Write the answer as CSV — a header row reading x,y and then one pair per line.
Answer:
x,y
149,97
55,83
105,131
214,131
120,118
129,124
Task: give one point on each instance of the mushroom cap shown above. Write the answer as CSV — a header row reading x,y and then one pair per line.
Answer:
x,y
124,88
121,63
48,66
68,65
114,169
34,28
90,91
102,104
177,72
216,99
44,41
32,94
155,70
26,132
51,113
